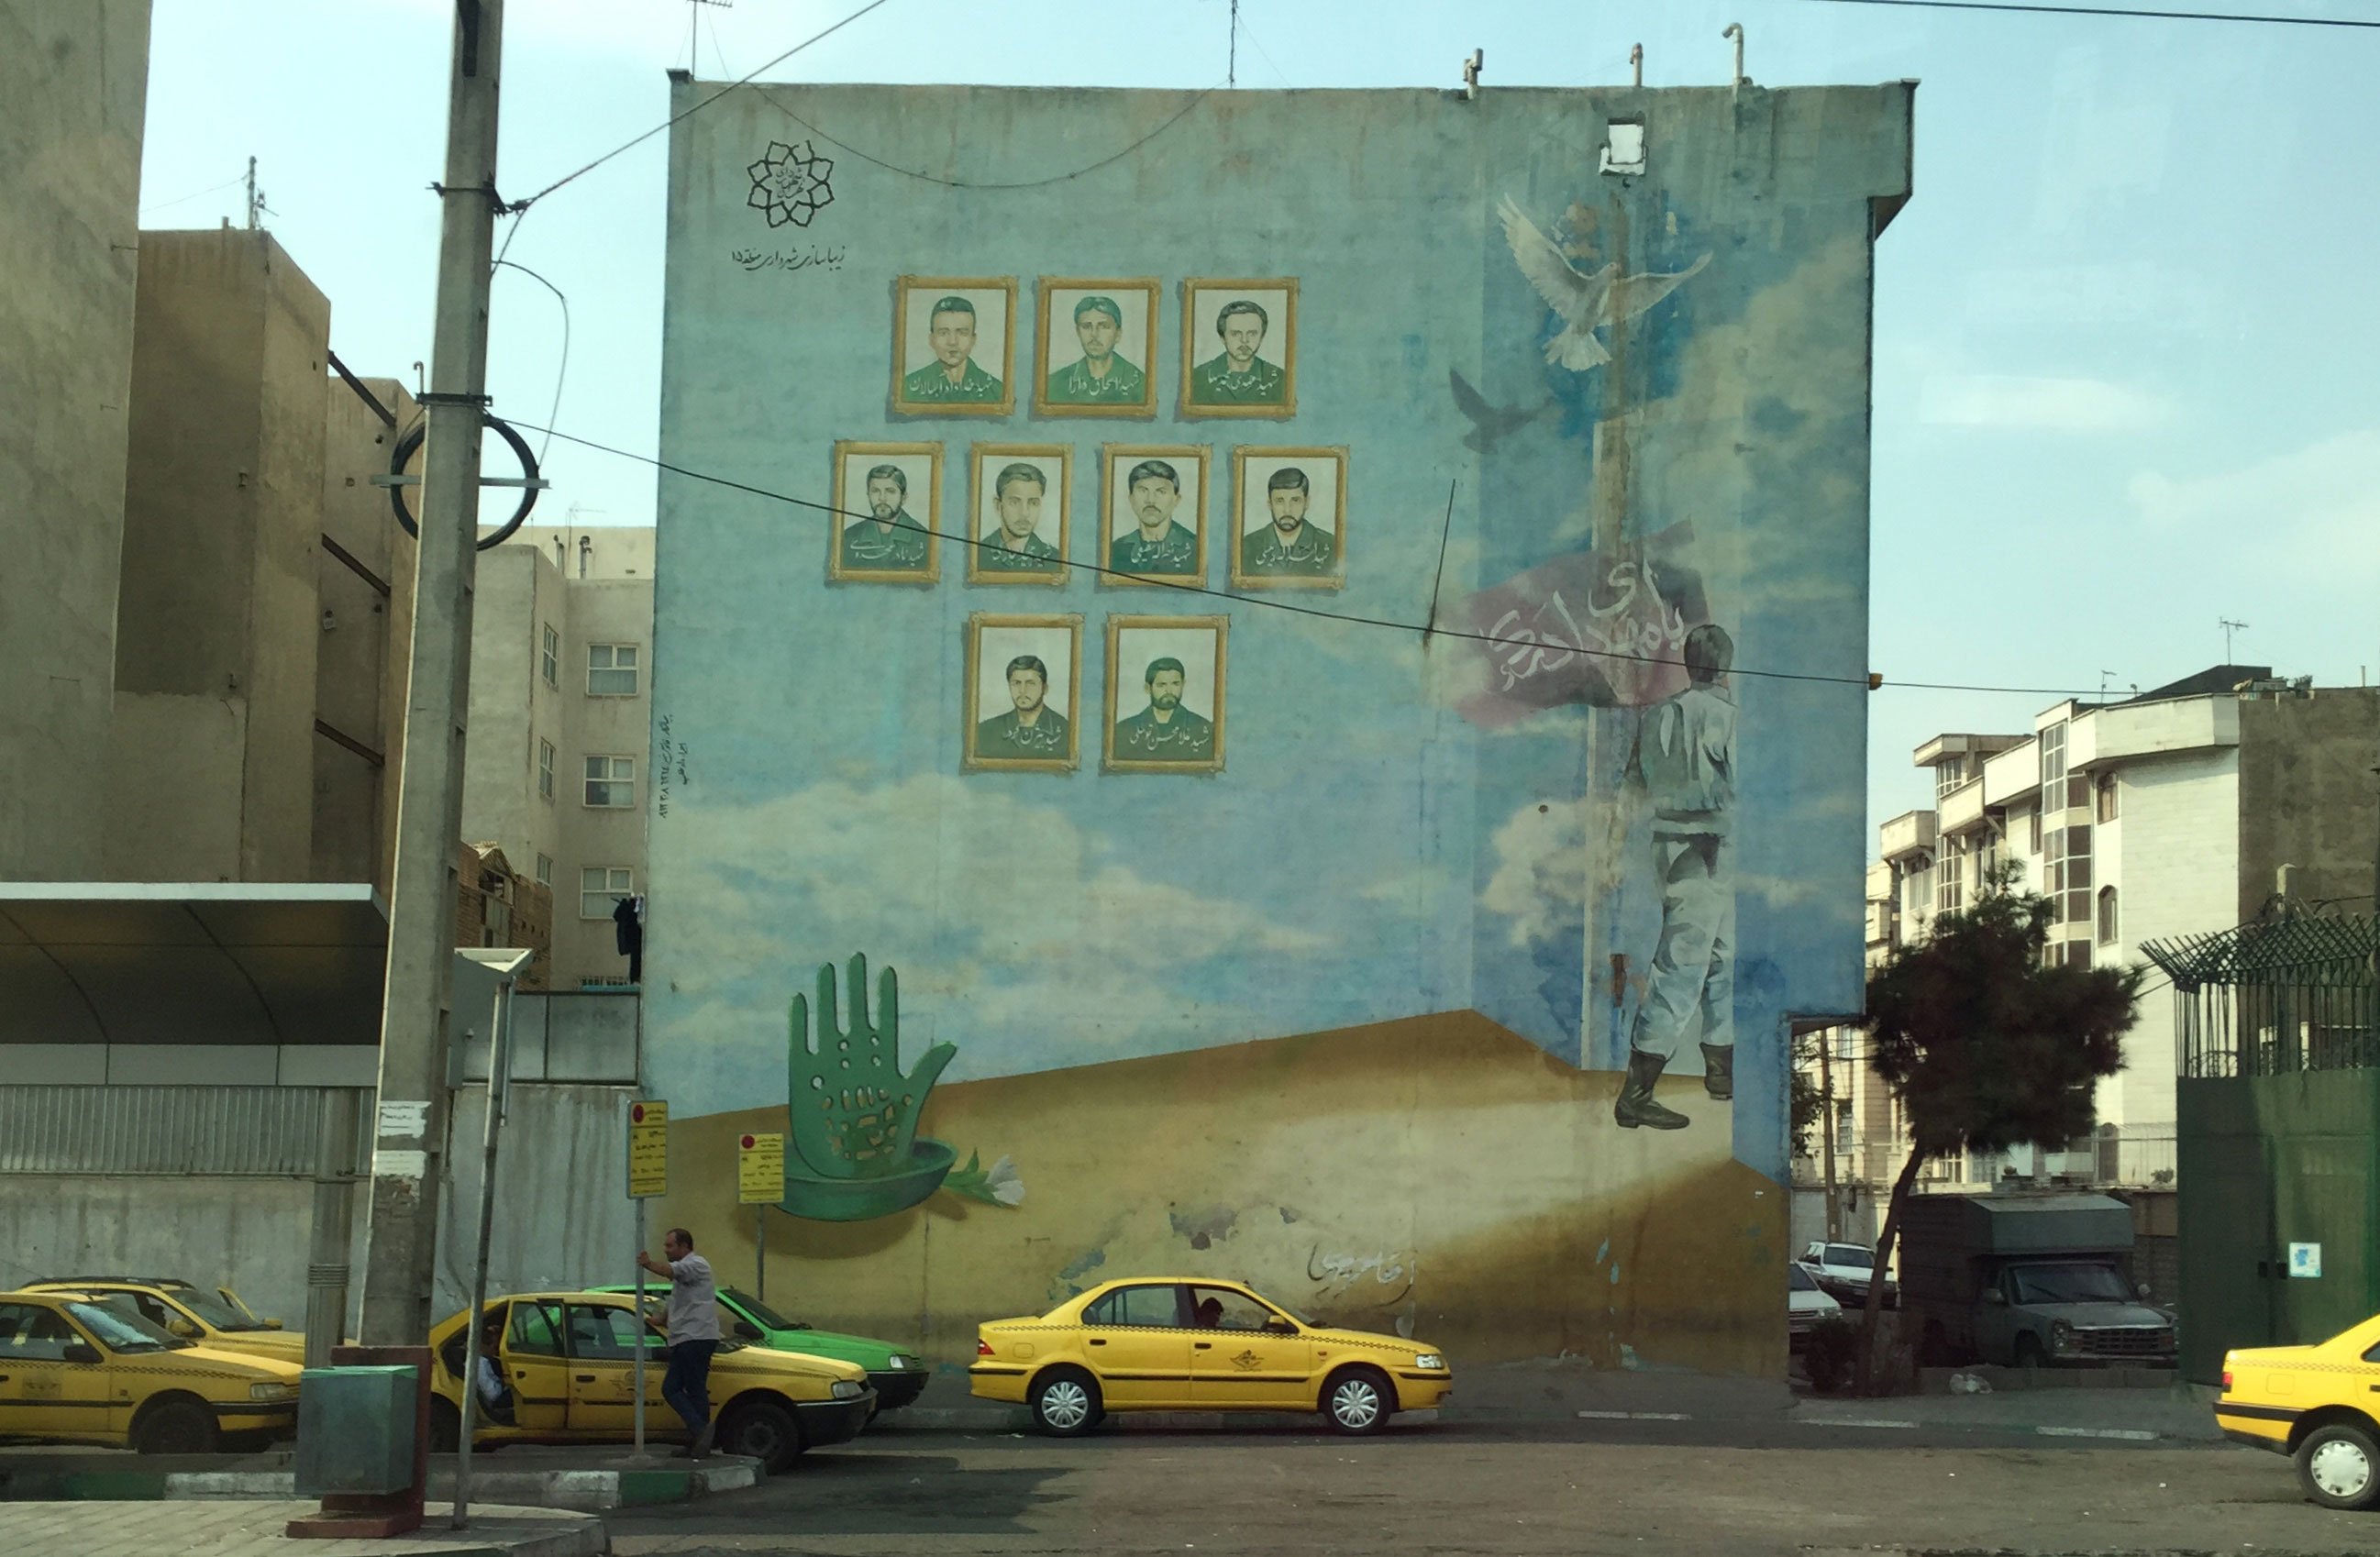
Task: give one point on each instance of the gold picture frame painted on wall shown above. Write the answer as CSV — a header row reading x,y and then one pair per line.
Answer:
x,y
1171,671
875,535
945,329
1144,541
1014,533
1097,347
1239,348
1289,518
1023,673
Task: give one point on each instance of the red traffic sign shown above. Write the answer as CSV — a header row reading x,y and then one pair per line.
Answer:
x,y
749,1143
636,1113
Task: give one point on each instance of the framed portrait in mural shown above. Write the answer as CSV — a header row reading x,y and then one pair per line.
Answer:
x,y
887,513
1024,677
1153,513
1020,496
954,345
1289,518
1097,345
1239,348
1165,694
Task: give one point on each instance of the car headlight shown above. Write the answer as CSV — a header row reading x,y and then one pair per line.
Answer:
x,y
895,1363
2062,1336
271,1392
1429,1359
844,1389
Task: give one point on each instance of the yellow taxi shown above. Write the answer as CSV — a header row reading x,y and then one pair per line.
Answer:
x,y
2319,1405
76,1369
1195,1344
216,1319
565,1364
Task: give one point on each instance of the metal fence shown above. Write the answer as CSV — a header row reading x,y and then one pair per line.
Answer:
x,y
2275,998
246,1132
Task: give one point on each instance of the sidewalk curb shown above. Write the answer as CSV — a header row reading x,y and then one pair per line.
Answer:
x,y
582,1492
254,1525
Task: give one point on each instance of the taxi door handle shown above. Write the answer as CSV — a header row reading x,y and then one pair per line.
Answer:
x,y
586,1377
1202,1345
1097,1341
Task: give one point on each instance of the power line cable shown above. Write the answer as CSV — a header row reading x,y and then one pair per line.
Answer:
x,y
1416,629
185,199
561,369
2106,11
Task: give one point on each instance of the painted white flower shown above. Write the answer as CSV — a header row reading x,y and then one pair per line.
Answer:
x,y
1006,1188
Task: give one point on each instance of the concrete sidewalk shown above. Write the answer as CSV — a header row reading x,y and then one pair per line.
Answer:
x,y
578,1479
2078,1406
254,1529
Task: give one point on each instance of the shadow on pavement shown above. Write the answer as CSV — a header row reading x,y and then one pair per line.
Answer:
x,y
865,1492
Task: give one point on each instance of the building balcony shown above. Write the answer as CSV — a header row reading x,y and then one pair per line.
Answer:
x,y
1912,832
1962,808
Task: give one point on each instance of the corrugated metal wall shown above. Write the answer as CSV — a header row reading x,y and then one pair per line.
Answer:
x,y
238,1132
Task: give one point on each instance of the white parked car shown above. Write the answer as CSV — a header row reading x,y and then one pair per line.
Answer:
x,y
1844,1270
1806,1304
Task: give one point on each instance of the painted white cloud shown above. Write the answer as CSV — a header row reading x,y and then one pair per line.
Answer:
x,y
1539,882
2014,403
2316,506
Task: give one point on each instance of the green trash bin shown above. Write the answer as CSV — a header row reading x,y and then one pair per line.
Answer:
x,y
355,1430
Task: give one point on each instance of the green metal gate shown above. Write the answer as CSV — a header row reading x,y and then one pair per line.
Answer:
x,y
2277,1099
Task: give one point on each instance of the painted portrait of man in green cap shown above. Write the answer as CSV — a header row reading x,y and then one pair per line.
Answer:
x,y
948,331
1103,375
1255,373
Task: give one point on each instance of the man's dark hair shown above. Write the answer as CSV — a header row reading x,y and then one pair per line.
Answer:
x,y
1146,468
682,1236
951,305
1166,662
892,473
1028,662
1243,306
1019,472
1709,651
1288,479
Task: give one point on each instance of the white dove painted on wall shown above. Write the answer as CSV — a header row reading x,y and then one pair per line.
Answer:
x,y
1584,301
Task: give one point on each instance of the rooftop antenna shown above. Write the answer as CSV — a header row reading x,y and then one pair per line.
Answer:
x,y
2230,627
694,30
256,206
1232,63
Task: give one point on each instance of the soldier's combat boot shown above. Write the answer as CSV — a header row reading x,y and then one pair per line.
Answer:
x,y
1636,1105
1718,1072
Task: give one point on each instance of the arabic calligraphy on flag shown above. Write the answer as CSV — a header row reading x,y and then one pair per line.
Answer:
x,y
1603,628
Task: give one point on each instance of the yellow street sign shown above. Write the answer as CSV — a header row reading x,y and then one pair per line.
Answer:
x,y
648,1149
760,1168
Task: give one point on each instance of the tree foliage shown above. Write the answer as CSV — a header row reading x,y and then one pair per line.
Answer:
x,y
1985,1047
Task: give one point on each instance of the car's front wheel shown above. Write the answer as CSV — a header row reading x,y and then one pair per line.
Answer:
x,y
177,1427
2339,1465
763,1431
1359,1400
1065,1403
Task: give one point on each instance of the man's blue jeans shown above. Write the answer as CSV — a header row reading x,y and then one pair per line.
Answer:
x,y
686,1383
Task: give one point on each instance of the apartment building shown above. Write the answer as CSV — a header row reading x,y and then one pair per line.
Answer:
x,y
2187,809
556,773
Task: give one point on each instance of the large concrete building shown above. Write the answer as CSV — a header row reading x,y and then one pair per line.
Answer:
x,y
75,79
2180,811
1436,981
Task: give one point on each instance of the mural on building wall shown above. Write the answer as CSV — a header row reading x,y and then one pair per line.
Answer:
x,y
1421,943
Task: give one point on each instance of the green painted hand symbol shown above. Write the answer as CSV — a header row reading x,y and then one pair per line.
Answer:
x,y
850,1110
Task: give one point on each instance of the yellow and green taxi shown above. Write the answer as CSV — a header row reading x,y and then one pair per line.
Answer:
x,y
567,1361
217,1320
2319,1405
78,1369
1195,1344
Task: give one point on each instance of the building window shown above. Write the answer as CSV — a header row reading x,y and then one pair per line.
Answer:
x,y
545,769
601,887
611,782
2033,832
545,870
550,660
2106,810
2107,925
1948,776
2053,762
610,669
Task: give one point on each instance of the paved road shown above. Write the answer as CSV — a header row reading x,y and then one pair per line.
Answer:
x,y
1703,1490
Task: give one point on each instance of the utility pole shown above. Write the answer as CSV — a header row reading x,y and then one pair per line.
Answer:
x,y
1826,1118
409,1137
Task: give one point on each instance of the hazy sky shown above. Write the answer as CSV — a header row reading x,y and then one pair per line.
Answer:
x,y
2126,331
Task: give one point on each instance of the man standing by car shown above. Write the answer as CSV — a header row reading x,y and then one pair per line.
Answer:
x,y
693,1334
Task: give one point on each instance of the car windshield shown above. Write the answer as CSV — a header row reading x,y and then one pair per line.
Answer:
x,y
121,1329
2071,1284
1800,1280
1284,1308
1858,1259
761,1314
240,1307
213,1310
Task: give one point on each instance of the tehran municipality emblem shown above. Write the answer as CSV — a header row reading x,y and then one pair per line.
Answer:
x,y
789,184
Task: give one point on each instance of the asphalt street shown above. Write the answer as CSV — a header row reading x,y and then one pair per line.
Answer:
x,y
1589,1487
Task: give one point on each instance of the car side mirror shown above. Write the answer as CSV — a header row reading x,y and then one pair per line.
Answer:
x,y
79,1351
1994,1294
185,1329
746,1331
272,1324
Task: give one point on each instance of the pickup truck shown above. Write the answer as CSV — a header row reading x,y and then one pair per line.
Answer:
x,y
2027,1280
